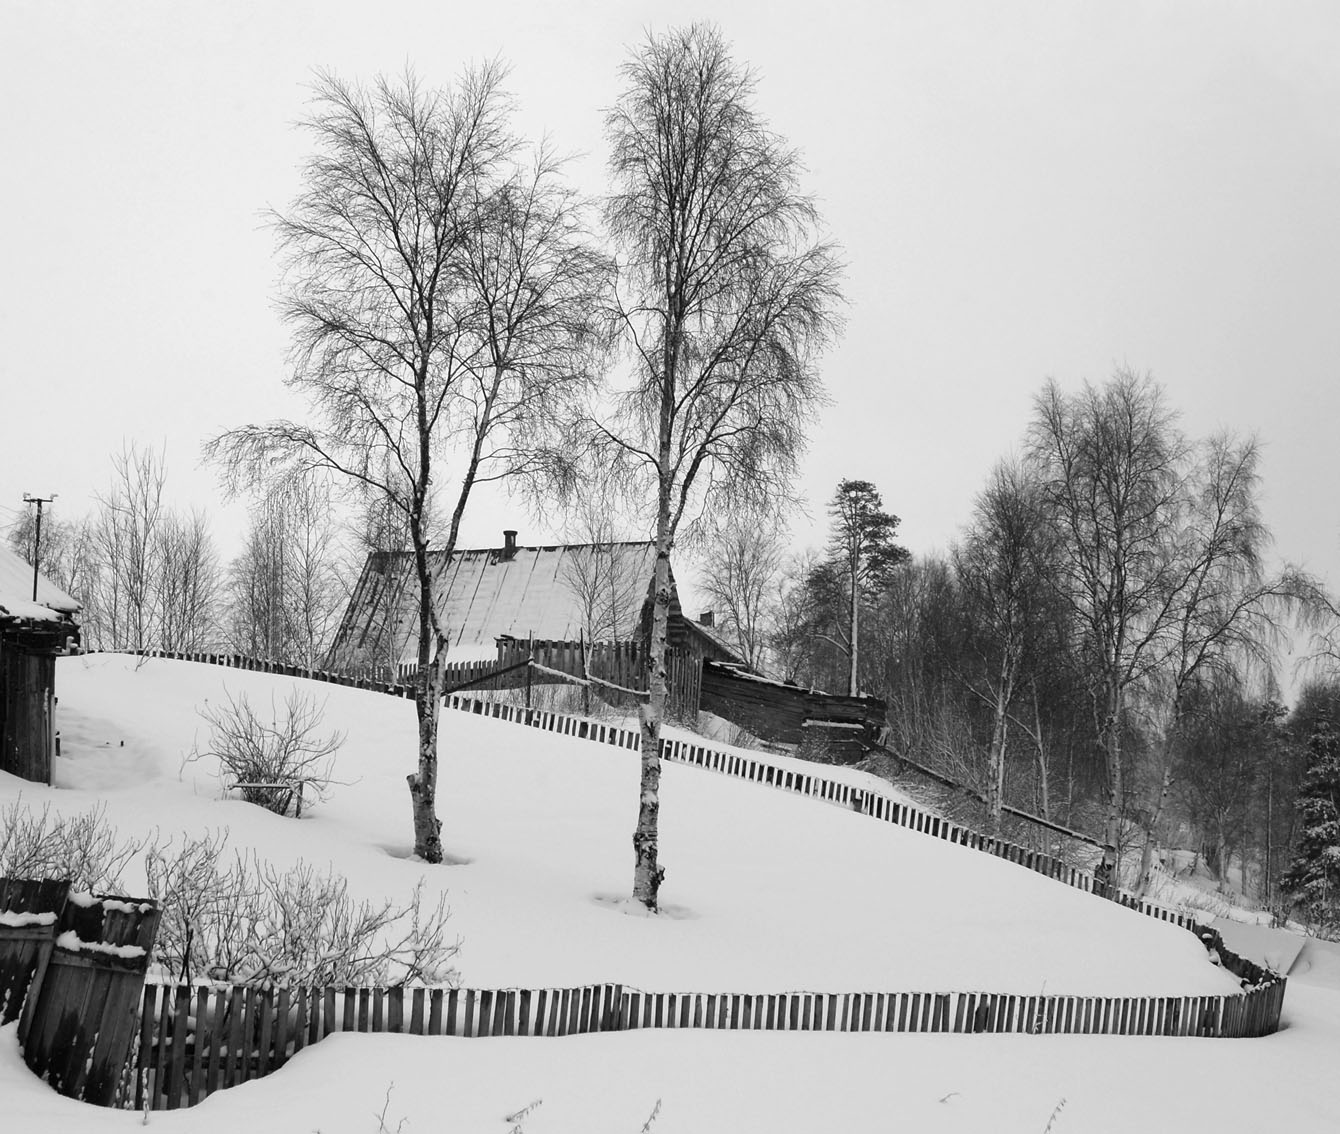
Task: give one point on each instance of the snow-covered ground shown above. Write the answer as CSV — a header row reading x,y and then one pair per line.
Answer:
x,y
765,891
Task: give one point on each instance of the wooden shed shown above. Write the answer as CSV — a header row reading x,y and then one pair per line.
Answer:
x,y
33,633
791,715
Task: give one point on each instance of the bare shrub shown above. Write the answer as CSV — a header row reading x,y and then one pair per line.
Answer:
x,y
274,761
84,848
242,919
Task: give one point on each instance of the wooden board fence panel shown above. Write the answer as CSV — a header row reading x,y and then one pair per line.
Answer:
x,y
78,1022
27,937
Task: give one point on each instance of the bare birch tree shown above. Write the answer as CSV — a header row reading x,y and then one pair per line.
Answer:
x,y
437,293
1003,569
606,581
1226,612
187,582
131,514
741,576
724,301
1160,561
287,587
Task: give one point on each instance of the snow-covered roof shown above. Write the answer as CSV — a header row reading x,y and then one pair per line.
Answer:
x,y
16,593
485,594
536,591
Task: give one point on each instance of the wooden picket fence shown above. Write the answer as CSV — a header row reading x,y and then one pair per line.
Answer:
x,y
197,1040
194,1040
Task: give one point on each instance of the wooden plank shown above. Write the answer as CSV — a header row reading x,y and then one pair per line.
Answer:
x,y
250,1030
328,1014
232,1068
148,1006
176,1041
274,1045
529,1011
435,1012
349,1022
218,1019
163,1023
395,1010
264,1033
302,1008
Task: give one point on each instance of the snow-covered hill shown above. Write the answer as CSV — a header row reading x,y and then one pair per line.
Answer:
x,y
765,891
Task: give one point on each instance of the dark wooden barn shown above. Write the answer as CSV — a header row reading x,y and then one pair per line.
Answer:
x,y
844,728
33,633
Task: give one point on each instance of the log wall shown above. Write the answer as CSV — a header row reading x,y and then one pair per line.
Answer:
x,y
27,712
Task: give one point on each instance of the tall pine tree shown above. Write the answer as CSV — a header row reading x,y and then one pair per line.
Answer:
x,y
1313,880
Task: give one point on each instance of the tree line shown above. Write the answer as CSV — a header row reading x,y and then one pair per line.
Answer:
x,y
150,576
1101,645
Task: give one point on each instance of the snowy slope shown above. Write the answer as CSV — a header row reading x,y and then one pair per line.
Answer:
x,y
766,891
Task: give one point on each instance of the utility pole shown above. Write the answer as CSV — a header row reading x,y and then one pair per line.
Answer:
x,y
37,537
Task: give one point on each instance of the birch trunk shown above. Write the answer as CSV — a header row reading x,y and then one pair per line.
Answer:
x,y
432,653
1113,790
647,873
1165,788
428,707
423,783
995,789
1044,785
853,679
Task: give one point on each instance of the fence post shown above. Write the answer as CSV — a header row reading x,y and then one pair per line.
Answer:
x,y
586,688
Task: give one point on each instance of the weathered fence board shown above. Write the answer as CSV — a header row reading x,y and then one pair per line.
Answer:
x,y
29,911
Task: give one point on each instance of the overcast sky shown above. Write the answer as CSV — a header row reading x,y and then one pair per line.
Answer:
x,y
1022,190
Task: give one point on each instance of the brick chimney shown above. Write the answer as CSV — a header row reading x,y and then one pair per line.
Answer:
x,y
509,543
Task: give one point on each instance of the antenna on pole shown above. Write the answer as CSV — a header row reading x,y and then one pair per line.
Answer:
x,y
37,536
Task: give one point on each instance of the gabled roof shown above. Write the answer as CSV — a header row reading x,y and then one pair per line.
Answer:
x,y
16,593
485,594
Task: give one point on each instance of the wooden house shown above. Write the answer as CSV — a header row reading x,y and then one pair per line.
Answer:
x,y
553,593
33,633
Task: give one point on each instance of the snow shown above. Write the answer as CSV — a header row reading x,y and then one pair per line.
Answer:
x,y
16,592
765,891
71,943
112,905
15,920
